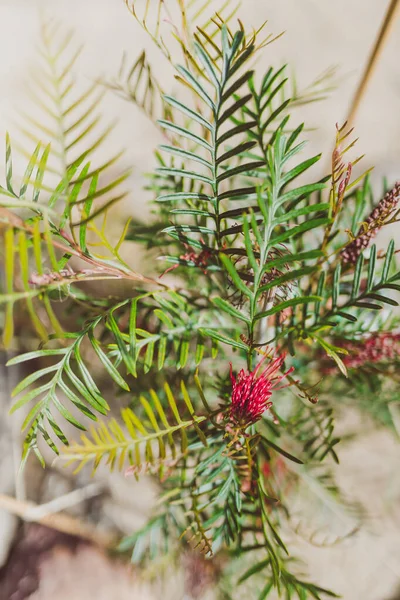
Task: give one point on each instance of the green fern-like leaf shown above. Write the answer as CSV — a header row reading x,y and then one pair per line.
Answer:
x,y
70,119
120,354
206,187
348,301
29,244
137,84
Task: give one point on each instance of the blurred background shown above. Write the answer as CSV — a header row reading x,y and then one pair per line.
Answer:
x,y
318,35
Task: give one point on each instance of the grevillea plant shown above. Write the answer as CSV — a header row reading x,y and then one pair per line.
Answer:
x,y
263,308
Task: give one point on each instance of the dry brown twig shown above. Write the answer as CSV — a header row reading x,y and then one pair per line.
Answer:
x,y
48,514
383,35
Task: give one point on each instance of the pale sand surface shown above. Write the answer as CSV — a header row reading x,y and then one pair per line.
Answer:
x,y
319,33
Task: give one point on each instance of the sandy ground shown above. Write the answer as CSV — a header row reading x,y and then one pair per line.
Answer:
x,y
319,34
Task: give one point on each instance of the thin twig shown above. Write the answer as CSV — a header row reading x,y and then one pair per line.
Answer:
x,y
63,502
373,59
60,522
73,249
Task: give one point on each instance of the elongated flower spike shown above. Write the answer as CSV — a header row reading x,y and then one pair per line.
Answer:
x,y
371,226
251,391
378,347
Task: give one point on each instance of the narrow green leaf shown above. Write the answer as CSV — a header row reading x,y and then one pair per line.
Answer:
x,y
64,183
384,299
184,173
244,168
191,228
243,57
239,193
300,192
67,416
72,397
111,370
288,304
195,84
215,335
235,151
266,590
299,169
192,212
231,310
183,196
357,277
293,231
248,242
161,352
126,356
86,213
73,195
243,127
9,172
371,267
388,261
290,258
284,453
40,171
232,109
199,350
148,357
36,354
290,276
347,316
89,394
336,286
332,352
186,155
28,172
234,275
183,354
300,212
172,403
8,328
391,286
370,305
207,65
181,131
194,116
29,396
320,290
32,377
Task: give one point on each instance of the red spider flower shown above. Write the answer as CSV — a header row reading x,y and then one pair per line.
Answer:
x,y
251,391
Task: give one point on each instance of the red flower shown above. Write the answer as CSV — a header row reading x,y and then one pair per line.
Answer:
x,y
372,224
378,347
251,391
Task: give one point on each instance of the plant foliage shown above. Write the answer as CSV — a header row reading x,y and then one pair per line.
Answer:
x,y
256,286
